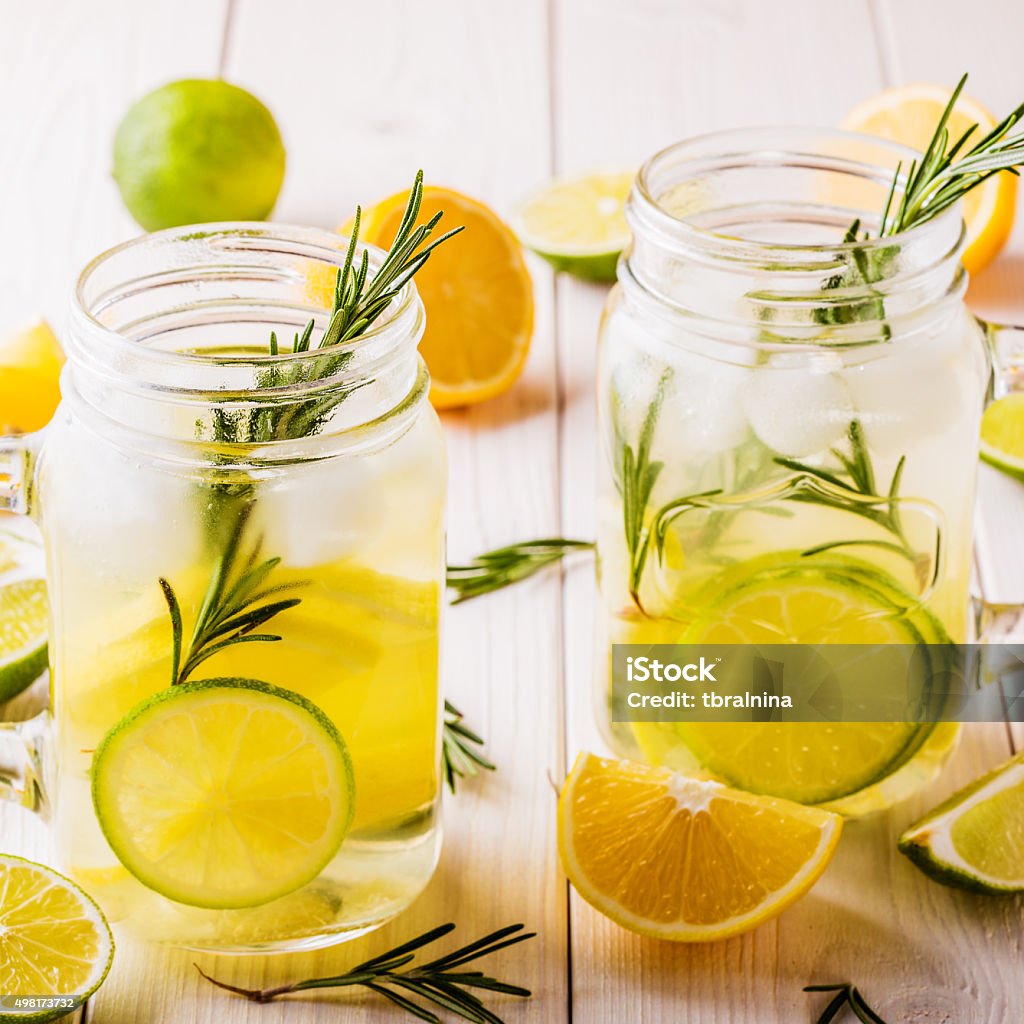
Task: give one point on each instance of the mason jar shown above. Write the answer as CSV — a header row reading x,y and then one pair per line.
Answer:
x,y
292,802
789,429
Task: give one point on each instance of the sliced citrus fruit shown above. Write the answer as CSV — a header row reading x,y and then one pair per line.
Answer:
x,y
224,793
54,940
578,224
975,840
909,114
807,603
477,293
24,621
30,365
1002,435
686,859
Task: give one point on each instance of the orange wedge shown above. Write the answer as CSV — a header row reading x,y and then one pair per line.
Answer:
x,y
686,859
909,115
477,293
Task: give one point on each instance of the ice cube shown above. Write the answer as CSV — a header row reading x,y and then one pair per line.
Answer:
x,y
798,404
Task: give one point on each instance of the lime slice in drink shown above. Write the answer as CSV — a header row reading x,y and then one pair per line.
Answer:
x,y
578,224
224,793
54,940
24,615
810,762
975,840
1002,435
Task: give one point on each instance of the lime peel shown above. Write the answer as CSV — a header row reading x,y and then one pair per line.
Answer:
x,y
578,224
224,793
24,616
195,151
1002,435
809,762
42,911
985,820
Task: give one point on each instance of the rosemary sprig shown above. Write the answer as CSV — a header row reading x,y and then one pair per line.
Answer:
x,y
949,170
846,995
635,477
234,606
436,983
944,174
854,489
358,302
502,567
459,745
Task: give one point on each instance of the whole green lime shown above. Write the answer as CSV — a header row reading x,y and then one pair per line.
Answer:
x,y
195,151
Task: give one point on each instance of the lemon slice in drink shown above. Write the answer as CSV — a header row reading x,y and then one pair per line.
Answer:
x,y
224,793
54,940
578,224
809,762
686,859
1002,435
24,616
975,840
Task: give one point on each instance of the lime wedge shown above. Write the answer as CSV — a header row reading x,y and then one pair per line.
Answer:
x,y
24,615
807,603
54,940
975,840
578,224
1002,435
224,793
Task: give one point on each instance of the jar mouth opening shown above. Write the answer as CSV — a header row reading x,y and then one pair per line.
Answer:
x,y
213,278
672,196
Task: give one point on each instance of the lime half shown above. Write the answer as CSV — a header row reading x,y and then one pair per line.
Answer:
x,y
1002,435
224,793
54,940
975,840
24,616
807,603
578,224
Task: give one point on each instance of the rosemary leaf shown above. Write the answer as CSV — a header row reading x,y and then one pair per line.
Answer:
x,y
496,569
846,995
433,982
459,748
230,612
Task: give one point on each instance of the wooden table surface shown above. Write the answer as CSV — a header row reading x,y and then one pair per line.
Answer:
x,y
492,98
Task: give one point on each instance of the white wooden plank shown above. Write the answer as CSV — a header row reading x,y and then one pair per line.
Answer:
x,y
915,947
68,71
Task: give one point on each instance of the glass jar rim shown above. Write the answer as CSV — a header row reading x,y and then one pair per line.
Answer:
x,y
96,344
775,146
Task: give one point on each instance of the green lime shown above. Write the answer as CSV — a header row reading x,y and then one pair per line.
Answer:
x,y
807,603
578,224
975,839
1002,435
54,940
197,151
24,617
224,793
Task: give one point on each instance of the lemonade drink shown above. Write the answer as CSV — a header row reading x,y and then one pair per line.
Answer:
x,y
280,791
789,451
